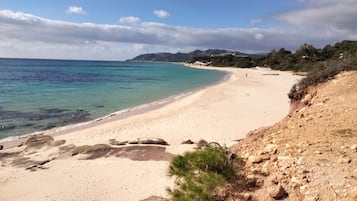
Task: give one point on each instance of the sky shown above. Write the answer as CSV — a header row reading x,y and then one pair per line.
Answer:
x,y
123,29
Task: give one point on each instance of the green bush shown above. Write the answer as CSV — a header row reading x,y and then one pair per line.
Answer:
x,y
321,73
201,173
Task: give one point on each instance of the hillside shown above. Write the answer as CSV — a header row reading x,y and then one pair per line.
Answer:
x,y
312,153
305,58
181,57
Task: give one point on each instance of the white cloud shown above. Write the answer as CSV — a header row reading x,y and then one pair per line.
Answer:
x,y
259,36
255,22
130,20
162,14
26,35
323,14
75,10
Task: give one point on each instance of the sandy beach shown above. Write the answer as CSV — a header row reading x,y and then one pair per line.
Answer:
x,y
222,113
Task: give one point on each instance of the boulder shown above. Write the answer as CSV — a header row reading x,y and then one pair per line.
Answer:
x,y
157,141
187,142
59,142
116,142
278,192
38,141
255,159
133,142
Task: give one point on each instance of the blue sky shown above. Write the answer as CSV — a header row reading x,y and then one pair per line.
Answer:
x,y
121,29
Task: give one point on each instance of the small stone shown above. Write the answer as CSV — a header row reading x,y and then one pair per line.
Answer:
x,y
118,143
303,187
255,159
306,100
317,152
275,180
187,142
344,160
311,198
266,164
294,182
133,142
354,173
266,157
1,147
283,158
59,142
270,148
278,192
354,147
301,161
247,196
251,181
246,156
265,172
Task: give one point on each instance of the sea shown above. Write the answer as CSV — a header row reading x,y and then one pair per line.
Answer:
x,y
39,94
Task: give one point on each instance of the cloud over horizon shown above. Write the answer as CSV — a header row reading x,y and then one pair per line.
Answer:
x,y
27,35
162,14
130,20
76,10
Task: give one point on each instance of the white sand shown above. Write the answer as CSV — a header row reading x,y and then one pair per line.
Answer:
x,y
223,113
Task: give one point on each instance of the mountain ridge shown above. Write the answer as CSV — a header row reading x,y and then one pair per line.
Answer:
x,y
181,57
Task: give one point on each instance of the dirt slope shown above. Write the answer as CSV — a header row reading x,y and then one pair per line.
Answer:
x,y
312,153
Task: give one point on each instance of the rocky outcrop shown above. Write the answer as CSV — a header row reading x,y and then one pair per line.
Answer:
x,y
277,192
157,141
38,141
315,144
154,141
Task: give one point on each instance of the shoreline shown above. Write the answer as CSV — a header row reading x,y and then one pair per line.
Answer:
x,y
14,141
222,113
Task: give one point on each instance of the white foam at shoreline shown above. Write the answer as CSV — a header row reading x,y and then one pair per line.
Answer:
x,y
114,115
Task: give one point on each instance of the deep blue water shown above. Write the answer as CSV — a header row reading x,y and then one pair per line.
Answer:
x,y
41,94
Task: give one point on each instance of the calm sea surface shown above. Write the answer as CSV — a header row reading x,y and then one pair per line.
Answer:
x,y
41,94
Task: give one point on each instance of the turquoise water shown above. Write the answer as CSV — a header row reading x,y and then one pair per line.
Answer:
x,y
42,94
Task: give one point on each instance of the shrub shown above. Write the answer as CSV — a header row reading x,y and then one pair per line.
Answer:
x,y
321,73
201,173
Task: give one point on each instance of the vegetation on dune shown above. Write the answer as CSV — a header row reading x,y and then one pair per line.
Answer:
x,y
321,64
202,174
